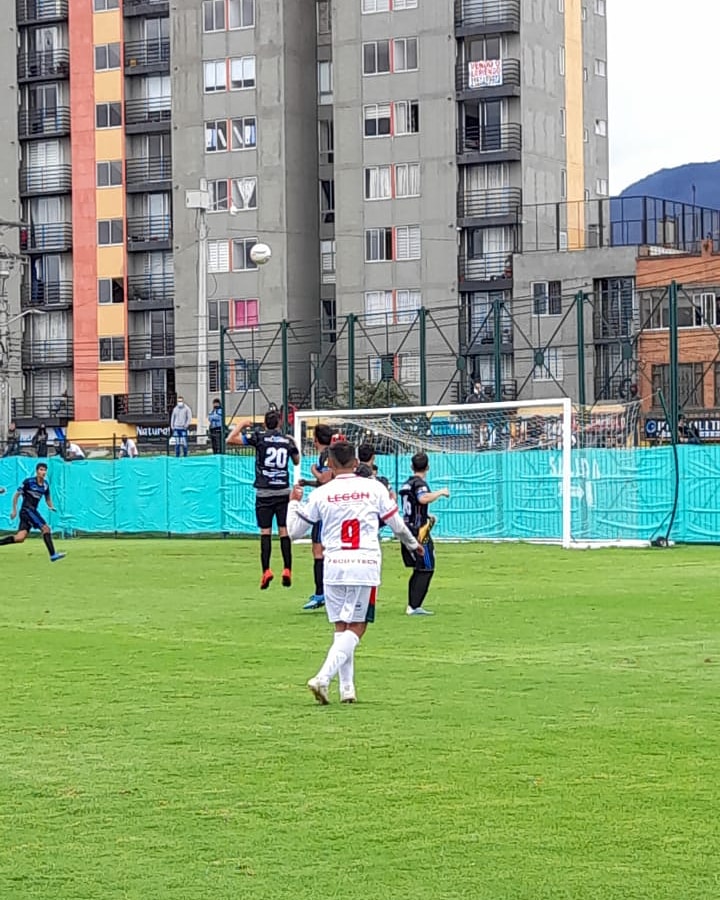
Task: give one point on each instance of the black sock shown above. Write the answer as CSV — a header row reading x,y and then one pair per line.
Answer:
x,y
47,537
319,571
286,550
265,551
418,588
10,539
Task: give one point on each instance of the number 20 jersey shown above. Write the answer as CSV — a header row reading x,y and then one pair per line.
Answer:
x,y
350,508
273,454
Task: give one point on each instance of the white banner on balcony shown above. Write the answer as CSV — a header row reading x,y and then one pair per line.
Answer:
x,y
485,73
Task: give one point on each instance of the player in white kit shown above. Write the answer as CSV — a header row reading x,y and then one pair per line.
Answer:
x,y
350,508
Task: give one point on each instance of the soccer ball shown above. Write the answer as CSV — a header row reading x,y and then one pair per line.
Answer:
x,y
260,254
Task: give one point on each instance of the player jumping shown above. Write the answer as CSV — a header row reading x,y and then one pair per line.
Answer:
x,y
273,453
321,473
349,508
32,491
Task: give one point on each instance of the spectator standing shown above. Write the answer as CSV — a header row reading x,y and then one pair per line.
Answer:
x,y
40,441
216,422
12,448
179,425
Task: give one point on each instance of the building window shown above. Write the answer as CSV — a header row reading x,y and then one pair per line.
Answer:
x,y
327,201
548,364
376,120
243,133
392,307
325,82
601,187
407,180
324,17
107,402
245,313
108,115
586,136
216,136
104,5
241,248
706,310
218,256
109,174
599,7
378,183
403,368
404,4
406,119
215,75
405,55
218,315
219,195
213,15
561,60
112,349
244,194
547,298
563,184
378,244
242,73
327,262
408,368
110,290
326,142
563,122
376,58
375,6
241,14
107,56
600,68
408,243
691,377
110,232
601,127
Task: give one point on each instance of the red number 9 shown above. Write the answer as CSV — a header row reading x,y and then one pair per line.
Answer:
x,y
350,534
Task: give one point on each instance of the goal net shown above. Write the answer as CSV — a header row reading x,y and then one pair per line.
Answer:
x,y
537,470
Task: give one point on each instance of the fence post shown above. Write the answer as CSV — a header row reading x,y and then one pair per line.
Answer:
x,y
580,311
422,323
285,391
674,398
223,332
351,360
497,345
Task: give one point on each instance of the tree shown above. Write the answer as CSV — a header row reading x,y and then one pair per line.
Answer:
x,y
370,395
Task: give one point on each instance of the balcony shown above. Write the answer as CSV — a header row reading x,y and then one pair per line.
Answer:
x,y
147,174
155,351
501,206
44,238
149,233
150,292
48,65
41,123
53,410
146,8
496,143
45,180
148,115
148,56
50,295
144,409
488,78
47,354
491,271
486,17
32,12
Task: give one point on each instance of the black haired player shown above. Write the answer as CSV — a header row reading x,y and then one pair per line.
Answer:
x,y
322,438
32,491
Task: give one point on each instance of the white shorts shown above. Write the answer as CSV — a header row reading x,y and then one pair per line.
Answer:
x,y
350,603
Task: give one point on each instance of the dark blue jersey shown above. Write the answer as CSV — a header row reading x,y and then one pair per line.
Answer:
x,y
414,512
32,493
273,454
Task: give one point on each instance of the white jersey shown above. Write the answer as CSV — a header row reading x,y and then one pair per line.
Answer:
x,y
351,510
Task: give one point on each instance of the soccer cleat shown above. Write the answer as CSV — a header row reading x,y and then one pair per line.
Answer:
x,y
266,579
286,578
347,693
317,601
56,556
319,690
418,612
424,530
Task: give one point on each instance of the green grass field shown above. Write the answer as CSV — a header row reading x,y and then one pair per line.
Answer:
x,y
551,733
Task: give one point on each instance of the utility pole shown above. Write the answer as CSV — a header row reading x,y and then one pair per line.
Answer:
x,y
200,201
7,265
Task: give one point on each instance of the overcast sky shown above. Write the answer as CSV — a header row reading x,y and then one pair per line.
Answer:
x,y
664,83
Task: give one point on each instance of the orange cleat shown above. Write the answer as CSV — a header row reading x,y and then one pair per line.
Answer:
x,y
266,579
287,578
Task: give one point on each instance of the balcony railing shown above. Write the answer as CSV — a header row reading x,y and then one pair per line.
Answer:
x,y
51,236
151,289
146,8
487,75
47,353
145,346
157,405
46,294
490,267
30,11
46,180
36,123
492,204
148,230
490,139
147,54
149,111
44,64
146,170
491,15
43,408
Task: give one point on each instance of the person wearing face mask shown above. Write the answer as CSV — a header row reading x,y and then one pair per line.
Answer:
x,y
179,425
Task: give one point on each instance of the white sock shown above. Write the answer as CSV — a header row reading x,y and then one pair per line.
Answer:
x,y
346,674
343,647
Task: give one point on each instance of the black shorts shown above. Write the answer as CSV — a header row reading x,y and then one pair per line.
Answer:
x,y
269,508
424,563
316,533
29,519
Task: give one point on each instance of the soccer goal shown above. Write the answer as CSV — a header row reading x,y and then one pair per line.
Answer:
x,y
534,470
